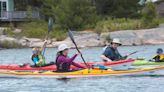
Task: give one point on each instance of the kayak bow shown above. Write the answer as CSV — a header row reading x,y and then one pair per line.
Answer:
x,y
145,62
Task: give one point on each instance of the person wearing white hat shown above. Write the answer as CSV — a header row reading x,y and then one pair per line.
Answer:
x,y
63,62
111,53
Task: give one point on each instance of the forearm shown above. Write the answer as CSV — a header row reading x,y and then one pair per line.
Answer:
x,y
68,60
77,65
72,58
44,45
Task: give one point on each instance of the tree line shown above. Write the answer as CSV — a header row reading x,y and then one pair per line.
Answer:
x,y
82,14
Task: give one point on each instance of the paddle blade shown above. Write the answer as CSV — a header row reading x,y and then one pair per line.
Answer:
x,y
71,36
50,24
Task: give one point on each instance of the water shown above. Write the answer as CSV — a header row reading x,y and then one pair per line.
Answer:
x,y
105,84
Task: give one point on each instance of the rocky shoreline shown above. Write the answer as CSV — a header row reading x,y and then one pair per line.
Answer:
x,y
92,39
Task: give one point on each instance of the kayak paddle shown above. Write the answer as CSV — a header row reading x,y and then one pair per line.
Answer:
x,y
132,53
135,52
50,24
72,39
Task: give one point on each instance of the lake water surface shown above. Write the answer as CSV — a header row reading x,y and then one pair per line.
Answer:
x,y
104,84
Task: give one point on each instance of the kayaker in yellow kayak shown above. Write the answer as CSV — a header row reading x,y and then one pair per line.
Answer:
x,y
160,55
37,56
111,53
63,62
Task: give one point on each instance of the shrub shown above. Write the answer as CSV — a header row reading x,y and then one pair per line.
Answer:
x,y
161,20
39,29
9,32
149,18
112,24
58,33
10,44
75,14
34,29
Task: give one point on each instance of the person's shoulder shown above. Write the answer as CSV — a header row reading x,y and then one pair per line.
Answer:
x,y
108,48
32,55
60,56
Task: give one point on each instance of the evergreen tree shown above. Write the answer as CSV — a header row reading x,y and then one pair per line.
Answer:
x,y
118,8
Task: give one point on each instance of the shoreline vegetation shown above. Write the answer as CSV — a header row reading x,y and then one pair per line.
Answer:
x,y
10,44
99,17
89,38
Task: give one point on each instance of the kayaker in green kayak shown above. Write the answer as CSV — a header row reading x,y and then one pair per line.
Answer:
x,y
37,56
111,53
63,62
160,56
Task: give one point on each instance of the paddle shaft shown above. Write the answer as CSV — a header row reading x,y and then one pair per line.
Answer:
x,y
81,55
132,53
72,38
50,24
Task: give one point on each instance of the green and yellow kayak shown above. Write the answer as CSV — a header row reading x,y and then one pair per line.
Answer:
x,y
156,70
146,62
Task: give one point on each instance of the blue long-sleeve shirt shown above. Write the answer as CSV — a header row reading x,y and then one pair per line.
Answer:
x,y
112,53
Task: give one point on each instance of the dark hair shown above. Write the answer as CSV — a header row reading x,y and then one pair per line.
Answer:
x,y
59,53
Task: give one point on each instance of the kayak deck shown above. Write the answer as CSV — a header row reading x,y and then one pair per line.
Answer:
x,y
53,66
145,62
83,73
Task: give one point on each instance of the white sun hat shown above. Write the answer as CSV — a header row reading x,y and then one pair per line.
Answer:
x,y
62,47
116,40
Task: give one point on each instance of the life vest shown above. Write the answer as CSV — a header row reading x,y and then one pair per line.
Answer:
x,y
35,58
41,59
38,58
159,58
61,66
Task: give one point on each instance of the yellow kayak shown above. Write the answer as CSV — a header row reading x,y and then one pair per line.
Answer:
x,y
156,70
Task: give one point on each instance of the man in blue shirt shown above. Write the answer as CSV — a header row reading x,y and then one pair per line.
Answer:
x,y
111,53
